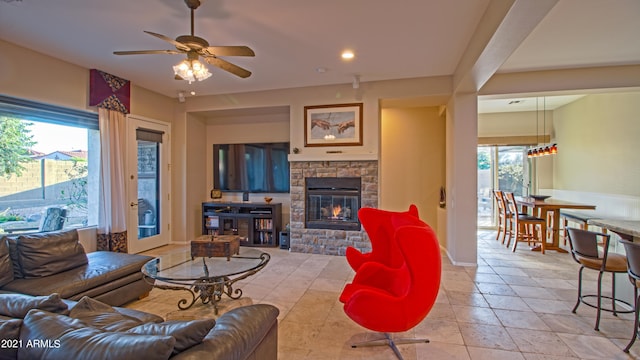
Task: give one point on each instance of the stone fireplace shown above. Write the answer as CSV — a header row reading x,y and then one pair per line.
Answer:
x,y
320,232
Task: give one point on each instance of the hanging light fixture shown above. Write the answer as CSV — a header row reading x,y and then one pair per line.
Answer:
x,y
533,152
547,149
191,69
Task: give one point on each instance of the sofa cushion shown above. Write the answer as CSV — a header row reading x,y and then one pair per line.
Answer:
x,y
45,254
102,316
143,317
6,266
10,336
18,305
237,334
12,243
62,337
186,333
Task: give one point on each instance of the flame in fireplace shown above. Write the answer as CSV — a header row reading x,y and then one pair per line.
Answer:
x,y
336,211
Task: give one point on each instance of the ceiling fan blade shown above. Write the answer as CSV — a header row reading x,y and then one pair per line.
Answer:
x,y
225,65
177,44
229,51
141,52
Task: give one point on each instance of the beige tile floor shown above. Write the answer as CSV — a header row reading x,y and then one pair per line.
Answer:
x,y
511,306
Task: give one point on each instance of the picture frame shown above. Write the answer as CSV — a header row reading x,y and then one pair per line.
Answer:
x,y
333,125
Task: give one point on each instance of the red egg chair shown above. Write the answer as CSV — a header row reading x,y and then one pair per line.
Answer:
x,y
377,224
390,300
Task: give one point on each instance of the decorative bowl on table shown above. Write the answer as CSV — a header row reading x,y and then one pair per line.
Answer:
x,y
541,197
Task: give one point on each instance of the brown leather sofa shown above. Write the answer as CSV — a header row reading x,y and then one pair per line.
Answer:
x,y
55,262
47,327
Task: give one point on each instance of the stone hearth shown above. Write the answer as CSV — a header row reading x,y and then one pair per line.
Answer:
x,y
328,241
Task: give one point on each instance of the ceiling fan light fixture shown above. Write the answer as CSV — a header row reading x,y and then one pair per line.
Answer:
x,y
191,70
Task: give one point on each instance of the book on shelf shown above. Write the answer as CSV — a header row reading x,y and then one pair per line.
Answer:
x,y
265,238
264,224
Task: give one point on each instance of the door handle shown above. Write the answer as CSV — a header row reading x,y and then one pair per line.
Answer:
x,y
133,204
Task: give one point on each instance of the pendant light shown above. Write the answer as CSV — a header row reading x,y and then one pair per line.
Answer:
x,y
547,149
533,151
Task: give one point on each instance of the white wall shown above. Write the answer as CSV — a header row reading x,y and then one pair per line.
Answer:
x,y
412,161
524,123
599,144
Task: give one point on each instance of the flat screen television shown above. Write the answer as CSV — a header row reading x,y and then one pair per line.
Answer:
x,y
255,167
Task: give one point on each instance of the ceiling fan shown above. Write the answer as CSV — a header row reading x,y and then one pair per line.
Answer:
x,y
191,69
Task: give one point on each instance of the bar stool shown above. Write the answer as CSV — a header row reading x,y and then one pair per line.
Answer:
x,y
585,251
633,269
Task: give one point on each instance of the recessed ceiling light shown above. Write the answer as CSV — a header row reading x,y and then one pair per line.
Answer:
x,y
347,55
321,70
192,92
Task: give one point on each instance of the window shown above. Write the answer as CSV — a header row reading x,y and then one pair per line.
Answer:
x,y
49,163
148,181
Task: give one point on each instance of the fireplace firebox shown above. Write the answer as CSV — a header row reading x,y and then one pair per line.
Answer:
x,y
333,203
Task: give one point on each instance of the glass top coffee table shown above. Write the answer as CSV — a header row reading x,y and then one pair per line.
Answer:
x,y
206,278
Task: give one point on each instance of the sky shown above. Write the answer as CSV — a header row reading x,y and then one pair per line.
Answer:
x,y
51,137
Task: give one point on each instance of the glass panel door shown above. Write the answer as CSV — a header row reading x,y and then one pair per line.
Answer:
x,y
486,181
500,167
148,184
148,188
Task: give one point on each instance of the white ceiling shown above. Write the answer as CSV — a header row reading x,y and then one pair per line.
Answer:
x,y
292,38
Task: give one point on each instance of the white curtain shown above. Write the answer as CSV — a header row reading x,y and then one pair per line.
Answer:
x,y
112,234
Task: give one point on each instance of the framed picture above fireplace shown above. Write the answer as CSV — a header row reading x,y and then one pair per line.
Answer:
x,y
333,125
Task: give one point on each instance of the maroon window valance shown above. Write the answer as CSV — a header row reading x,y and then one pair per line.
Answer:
x,y
109,91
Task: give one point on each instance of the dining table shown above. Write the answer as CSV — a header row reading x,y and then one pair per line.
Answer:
x,y
542,208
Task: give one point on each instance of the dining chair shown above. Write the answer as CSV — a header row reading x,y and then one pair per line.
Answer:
x,y
586,251
524,227
503,215
633,269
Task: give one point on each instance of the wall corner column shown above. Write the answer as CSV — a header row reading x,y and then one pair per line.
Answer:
x,y
462,142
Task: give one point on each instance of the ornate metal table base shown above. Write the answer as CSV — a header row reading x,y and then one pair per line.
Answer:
x,y
210,289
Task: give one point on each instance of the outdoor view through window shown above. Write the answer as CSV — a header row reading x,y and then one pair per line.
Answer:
x,y
48,176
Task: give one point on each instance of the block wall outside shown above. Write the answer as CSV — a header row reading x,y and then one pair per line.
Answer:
x,y
32,176
43,183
